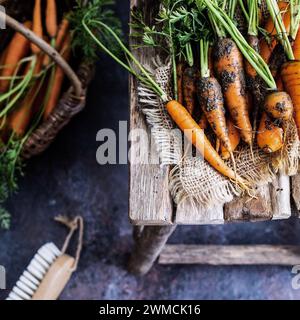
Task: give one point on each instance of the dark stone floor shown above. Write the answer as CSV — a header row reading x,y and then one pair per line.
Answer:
x,y
67,180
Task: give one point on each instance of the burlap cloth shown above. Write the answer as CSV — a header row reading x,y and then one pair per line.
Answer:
x,y
191,176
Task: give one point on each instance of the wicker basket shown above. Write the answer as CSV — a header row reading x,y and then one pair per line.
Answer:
x,y
71,102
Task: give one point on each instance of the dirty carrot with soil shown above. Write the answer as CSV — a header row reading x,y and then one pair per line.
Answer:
x,y
270,135
189,88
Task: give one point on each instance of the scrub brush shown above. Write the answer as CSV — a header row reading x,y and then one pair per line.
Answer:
x,y
50,269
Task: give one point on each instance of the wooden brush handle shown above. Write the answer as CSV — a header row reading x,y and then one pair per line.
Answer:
x,y
55,279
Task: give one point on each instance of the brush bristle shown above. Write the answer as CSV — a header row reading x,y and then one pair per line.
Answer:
x,y
35,272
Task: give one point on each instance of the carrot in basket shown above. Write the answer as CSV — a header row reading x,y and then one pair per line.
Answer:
x,y
279,83
17,49
230,71
57,82
184,120
189,89
37,26
180,67
279,105
62,33
51,18
234,137
269,136
20,118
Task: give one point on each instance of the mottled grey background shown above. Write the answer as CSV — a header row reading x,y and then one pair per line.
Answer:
x,y
67,180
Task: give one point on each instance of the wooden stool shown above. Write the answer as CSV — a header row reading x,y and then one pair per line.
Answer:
x,y
155,217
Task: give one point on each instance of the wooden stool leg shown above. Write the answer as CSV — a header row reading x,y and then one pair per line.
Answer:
x,y
148,247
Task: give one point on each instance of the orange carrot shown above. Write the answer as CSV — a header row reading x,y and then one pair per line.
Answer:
x,y
290,73
279,105
62,33
267,48
234,137
279,83
20,118
212,104
57,82
51,18
296,46
37,26
189,89
203,122
269,136
180,68
197,137
230,72
17,49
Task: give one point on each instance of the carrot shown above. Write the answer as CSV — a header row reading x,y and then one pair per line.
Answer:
x,y
267,48
296,46
212,104
197,137
254,43
60,38
279,105
234,137
269,136
51,18
290,73
17,49
203,122
277,59
189,89
279,83
62,33
229,69
37,26
180,68
57,82
20,118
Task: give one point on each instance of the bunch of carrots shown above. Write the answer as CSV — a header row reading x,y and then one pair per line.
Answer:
x,y
239,86
30,86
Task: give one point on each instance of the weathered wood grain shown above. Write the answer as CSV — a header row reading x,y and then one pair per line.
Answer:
x,y
230,255
280,197
250,209
148,247
188,214
149,198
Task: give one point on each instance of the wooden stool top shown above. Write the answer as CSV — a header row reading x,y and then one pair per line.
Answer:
x,y
150,202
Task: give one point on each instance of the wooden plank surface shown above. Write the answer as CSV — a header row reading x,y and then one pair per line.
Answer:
x,y
188,214
230,255
250,209
280,197
149,198
150,202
